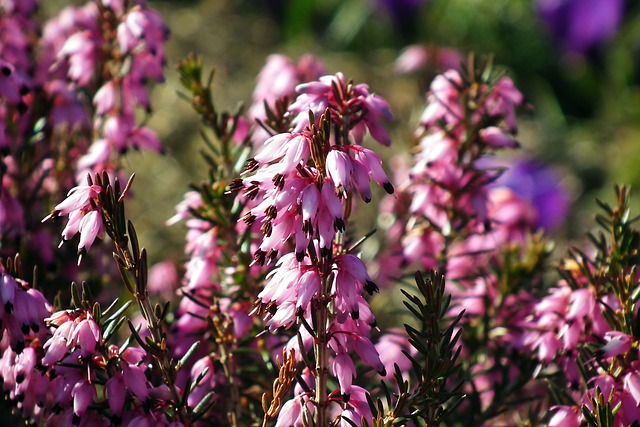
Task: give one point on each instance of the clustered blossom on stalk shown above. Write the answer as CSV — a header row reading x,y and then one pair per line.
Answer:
x,y
59,383
89,62
453,215
590,317
301,183
77,376
115,51
454,210
219,284
22,312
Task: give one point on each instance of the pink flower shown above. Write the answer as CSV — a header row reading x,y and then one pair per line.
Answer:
x,y
339,169
617,343
391,347
443,100
345,371
75,331
142,26
86,335
565,416
348,104
80,50
495,138
116,394
22,311
163,279
291,286
82,205
12,219
291,413
84,393
632,386
503,101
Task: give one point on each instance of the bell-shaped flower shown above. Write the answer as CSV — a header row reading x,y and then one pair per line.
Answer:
x,y
617,343
345,370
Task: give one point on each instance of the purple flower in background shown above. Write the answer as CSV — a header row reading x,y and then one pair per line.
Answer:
x,y
401,12
580,25
540,186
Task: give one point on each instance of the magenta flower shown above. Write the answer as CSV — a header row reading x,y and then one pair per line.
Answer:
x,y
291,413
391,347
299,187
349,105
142,27
75,331
12,223
22,311
416,58
617,343
84,393
80,51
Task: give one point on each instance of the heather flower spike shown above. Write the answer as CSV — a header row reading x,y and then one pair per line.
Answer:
x,y
301,184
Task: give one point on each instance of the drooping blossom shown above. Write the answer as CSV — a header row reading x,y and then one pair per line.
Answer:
x,y
82,206
300,184
349,105
22,311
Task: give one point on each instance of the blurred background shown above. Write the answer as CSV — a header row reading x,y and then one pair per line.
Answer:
x,y
576,61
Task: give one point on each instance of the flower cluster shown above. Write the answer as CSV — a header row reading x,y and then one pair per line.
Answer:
x,y
62,386
23,310
454,209
89,63
83,207
592,321
126,43
456,214
274,277
301,183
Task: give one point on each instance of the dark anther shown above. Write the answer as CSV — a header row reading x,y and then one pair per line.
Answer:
x,y
388,187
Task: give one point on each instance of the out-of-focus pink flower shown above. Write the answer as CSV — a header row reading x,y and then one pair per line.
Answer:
x,y
391,347
632,386
565,416
617,343
279,77
80,50
142,26
494,137
416,58
163,279
22,311
12,219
